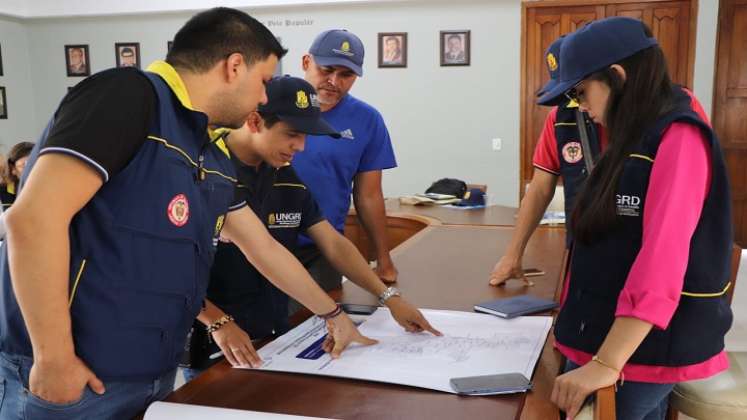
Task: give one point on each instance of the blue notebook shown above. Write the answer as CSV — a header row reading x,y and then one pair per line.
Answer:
x,y
516,306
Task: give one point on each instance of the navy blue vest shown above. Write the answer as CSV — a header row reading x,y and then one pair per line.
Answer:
x,y
141,250
570,155
599,270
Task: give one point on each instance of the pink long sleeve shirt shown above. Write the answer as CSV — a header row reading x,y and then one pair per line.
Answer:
x,y
678,186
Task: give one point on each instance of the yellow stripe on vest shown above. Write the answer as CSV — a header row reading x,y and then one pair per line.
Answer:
x,y
186,156
75,285
644,157
708,295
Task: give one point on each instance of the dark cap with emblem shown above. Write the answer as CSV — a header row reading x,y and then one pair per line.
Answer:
x,y
594,47
552,60
338,47
294,102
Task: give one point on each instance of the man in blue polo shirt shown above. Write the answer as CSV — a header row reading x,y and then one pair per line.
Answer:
x,y
262,151
335,168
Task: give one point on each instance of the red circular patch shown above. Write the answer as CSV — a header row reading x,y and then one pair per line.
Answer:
x,y
572,152
178,210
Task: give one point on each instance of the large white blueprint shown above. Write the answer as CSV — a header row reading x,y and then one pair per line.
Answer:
x,y
473,344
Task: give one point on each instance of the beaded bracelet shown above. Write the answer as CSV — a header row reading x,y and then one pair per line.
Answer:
x,y
215,326
332,314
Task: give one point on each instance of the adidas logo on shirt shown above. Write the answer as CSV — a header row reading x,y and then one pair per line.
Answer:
x,y
347,134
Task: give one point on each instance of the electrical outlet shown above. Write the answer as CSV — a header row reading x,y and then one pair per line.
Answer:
x,y
497,144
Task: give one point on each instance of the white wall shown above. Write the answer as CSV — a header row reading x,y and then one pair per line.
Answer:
x,y
59,8
21,124
705,53
18,8
442,119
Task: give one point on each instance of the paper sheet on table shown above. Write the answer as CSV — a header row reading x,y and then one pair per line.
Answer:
x,y
168,411
473,344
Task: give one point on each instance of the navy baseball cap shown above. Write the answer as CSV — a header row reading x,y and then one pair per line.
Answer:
x,y
552,55
293,101
338,47
473,197
595,46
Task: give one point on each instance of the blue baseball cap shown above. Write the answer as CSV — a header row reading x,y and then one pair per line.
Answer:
x,y
552,55
338,47
473,197
595,46
293,101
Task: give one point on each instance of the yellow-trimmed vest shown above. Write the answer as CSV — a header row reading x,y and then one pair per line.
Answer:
x,y
599,269
571,156
141,249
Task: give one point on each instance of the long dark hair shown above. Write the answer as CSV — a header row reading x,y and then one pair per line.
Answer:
x,y
633,106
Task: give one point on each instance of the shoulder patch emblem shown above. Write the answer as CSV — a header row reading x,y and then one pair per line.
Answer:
x,y
572,152
178,210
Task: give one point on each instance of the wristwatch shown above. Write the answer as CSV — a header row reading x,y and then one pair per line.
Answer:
x,y
388,294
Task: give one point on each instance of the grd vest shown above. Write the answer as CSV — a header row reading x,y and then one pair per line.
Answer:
x,y
599,270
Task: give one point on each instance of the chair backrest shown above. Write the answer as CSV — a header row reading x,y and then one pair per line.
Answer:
x,y
736,258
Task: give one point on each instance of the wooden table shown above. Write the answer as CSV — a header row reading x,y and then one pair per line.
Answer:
x,y
441,267
488,216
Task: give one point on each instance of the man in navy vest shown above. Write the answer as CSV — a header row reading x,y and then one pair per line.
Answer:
x,y
558,153
336,168
113,234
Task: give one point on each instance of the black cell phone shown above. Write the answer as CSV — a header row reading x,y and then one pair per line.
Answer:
x,y
532,272
504,383
351,308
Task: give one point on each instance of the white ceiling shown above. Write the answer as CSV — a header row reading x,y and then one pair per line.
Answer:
x,y
60,8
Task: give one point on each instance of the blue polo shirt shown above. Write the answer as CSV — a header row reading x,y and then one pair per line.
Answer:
x,y
328,165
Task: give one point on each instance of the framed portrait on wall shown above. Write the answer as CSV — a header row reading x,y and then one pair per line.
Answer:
x,y
127,54
3,104
392,49
77,60
455,48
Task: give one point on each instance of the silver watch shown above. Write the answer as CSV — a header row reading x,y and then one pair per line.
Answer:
x,y
388,294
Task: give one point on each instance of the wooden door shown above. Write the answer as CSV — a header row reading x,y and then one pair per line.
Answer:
x,y
670,23
543,26
730,105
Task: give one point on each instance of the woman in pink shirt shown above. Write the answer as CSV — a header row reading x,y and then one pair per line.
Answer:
x,y
645,303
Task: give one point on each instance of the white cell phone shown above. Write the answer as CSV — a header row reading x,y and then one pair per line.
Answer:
x,y
505,383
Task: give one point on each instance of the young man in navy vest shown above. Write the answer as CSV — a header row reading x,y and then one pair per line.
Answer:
x,y
262,152
336,168
113,234
558,153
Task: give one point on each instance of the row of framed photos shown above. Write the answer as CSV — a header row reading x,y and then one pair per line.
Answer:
x,y
78,59
454,49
